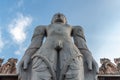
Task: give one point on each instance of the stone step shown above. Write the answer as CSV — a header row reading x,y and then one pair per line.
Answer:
x,y
100,77
8,77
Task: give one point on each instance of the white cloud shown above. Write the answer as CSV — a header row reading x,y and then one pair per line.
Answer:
x,y
18,27
20,51
1,42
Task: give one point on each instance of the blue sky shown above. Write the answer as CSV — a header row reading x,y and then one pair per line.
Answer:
x,y
99,18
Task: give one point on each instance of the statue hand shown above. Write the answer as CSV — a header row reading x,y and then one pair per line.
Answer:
x,y
24,62
89,62
92,64
96,66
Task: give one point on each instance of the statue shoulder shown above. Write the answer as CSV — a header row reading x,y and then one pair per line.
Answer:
x,y
39,30
78,32
76,28
40,27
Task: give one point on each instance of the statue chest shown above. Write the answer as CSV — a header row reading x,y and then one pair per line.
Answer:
x,y
59,29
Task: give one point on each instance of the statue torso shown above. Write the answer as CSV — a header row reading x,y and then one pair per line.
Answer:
x,y
57,32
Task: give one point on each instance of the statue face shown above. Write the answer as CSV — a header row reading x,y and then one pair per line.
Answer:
x,y
59,18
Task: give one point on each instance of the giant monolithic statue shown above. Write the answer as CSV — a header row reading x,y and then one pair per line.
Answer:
x,y
63,55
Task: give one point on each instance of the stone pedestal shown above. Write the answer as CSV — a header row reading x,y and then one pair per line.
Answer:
x,y
100,77
8,77
108,77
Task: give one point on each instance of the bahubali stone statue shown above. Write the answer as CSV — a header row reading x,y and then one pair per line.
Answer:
x,y
57,57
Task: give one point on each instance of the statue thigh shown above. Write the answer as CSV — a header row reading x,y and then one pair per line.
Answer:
x,y
40,70
89,75
75,70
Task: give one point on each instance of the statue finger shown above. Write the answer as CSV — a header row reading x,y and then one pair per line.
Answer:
x,y
19,77
20,65
25,65
89,62
96,66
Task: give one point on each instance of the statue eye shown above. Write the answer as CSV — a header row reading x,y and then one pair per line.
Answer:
x,y
58,15
79,30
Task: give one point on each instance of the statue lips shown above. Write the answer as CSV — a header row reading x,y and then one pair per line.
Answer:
x,y
59,20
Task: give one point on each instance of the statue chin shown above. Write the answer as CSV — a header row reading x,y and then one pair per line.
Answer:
x,y
59,21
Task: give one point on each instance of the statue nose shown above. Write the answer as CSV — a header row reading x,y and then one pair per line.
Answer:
x,y
58,15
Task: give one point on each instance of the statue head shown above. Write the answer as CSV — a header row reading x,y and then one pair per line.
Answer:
x,y
59,18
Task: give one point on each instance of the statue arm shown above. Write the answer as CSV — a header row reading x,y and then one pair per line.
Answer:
x,y
79,38
37,39
80,42
35,44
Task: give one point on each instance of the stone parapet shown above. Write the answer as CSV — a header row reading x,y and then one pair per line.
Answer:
x,y
100,77
8,77
108,77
